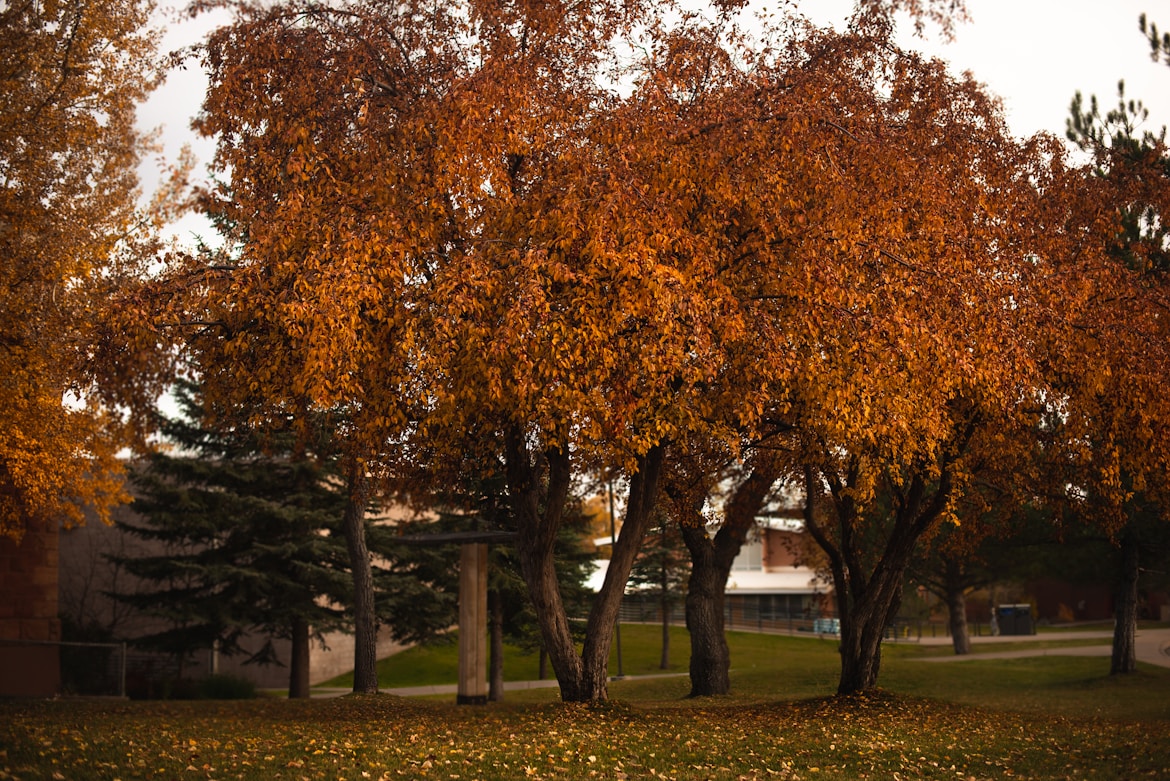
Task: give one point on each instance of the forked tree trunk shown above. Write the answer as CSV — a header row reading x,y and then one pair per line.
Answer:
x,y
298,665
861,650
865,613
365,623
1124,659
956,598
869,595
711,561
538,492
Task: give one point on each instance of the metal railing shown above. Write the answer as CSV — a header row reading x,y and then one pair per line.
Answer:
x,y
87,669
905,629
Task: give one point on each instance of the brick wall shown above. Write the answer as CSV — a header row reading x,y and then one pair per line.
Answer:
x,y
28,612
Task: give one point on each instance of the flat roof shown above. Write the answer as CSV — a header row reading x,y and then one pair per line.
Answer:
x,y
458,538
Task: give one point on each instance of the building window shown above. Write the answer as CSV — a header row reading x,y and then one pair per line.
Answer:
x,y
750,558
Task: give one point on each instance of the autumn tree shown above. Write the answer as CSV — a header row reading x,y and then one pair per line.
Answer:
x,y
917,364
1115,422
71,232
882,341
483,238
444,240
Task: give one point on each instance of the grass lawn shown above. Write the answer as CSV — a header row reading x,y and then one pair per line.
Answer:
x,y
1042,718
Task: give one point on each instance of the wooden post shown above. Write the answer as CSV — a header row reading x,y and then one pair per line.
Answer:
x,y
473,688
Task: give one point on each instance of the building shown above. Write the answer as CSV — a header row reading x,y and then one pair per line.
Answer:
x,y
773,579
86,576
29,626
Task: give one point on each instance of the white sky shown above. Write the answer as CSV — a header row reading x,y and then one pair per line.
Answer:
x,y
1034,54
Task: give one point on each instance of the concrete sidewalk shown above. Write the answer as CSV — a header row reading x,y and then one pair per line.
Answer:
x,y
1151,646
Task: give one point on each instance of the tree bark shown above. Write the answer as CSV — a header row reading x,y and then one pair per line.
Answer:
x,y
956,597
710,656
538,492
711,561
863,624
495,647
298,665
861,651
1124,660
365,622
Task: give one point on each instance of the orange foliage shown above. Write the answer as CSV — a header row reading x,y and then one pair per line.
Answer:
x,y
576,234
71,74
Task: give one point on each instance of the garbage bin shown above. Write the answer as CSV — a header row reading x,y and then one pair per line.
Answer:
x,y
827,626
1014,619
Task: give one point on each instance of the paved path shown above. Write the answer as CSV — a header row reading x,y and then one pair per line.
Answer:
x,y
1152,647
451,688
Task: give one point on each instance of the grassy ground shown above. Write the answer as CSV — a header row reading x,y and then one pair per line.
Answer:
x,y
1041,718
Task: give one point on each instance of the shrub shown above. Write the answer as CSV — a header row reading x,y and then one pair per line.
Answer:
x,y
226,687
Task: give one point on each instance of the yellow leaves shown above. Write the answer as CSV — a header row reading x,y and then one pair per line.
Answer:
x,y
67,242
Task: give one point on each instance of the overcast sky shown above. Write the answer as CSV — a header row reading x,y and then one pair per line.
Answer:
x,y
1034,54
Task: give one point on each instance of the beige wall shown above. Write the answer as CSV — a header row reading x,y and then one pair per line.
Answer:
x,y
324,663
86,573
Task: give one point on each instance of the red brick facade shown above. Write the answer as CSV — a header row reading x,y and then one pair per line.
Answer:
x,y
28,613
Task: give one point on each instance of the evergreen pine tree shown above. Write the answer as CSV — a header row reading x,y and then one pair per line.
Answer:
x,y
247,528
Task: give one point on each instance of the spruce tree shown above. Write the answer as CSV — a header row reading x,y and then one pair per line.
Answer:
x,y
247,527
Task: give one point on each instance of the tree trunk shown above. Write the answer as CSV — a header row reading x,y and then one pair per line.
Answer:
x,y
957,607
298,665
1125,612
538,492
868,596
861,651
365,622
863,621
495,647
710,655
602,621
711,561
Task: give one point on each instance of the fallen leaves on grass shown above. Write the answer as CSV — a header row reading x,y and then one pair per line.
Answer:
x,y
385,738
